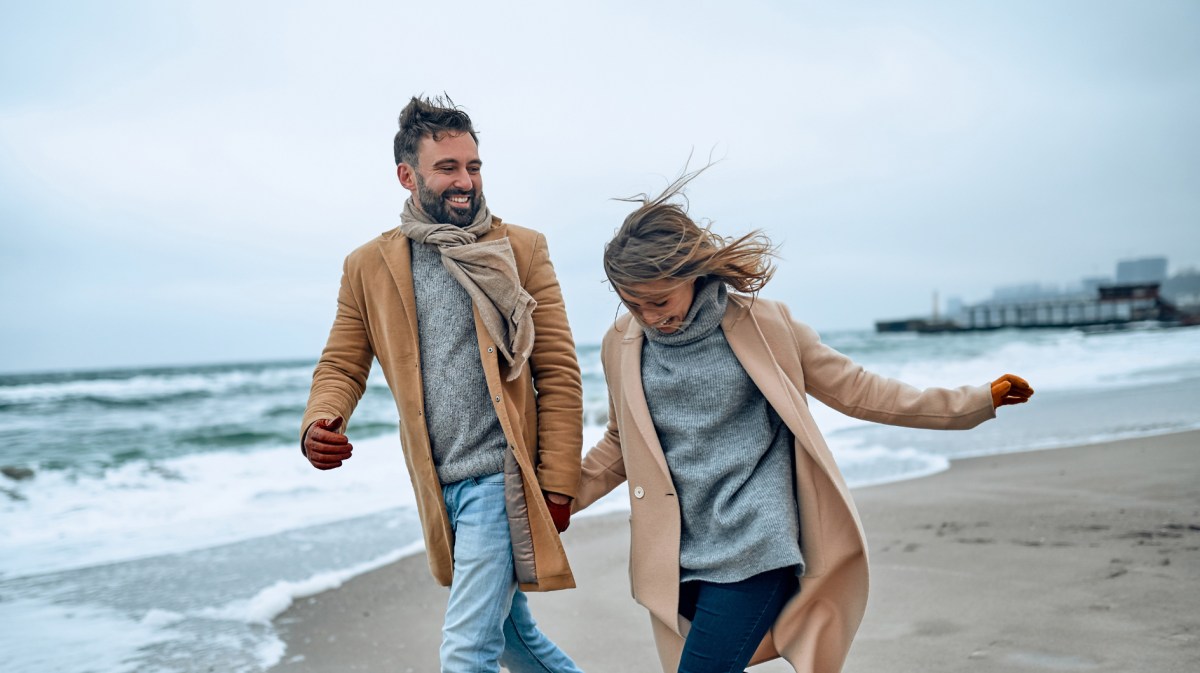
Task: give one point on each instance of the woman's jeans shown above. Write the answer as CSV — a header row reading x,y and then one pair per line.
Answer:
x,y
729,620
487,617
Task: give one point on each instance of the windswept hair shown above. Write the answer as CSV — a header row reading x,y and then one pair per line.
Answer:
x,y
434,117
659,241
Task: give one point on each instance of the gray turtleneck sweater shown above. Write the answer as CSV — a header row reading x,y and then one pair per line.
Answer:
x,y
464,431
729,453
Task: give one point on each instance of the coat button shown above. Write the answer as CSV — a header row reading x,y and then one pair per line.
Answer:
x,y
489,349
497,398
638,492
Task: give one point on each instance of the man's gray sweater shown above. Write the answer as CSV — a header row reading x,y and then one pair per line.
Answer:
x,y
464,431
729,453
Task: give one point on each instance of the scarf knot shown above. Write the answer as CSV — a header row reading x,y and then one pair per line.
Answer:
x,y
488,272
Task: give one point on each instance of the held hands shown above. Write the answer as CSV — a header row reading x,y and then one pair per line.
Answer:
x,y
560,510
324,446
1010,389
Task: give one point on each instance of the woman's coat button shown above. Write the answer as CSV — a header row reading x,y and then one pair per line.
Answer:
x,y
638,492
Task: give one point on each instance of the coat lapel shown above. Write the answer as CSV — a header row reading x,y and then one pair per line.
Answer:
x,y
635,394
398,256
752,351
750,347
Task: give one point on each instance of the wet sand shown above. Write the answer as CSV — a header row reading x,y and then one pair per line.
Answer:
x,y
1079,559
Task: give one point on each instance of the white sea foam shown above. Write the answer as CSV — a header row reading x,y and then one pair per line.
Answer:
x,y
1056,360
41,636
270,602
197,501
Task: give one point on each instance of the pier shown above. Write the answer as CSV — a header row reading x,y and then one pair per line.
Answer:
x,y
1113,306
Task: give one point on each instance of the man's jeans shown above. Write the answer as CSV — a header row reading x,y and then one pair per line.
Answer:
x,y
487,617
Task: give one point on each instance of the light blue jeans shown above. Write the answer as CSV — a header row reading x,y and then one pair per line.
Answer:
x,y
488,622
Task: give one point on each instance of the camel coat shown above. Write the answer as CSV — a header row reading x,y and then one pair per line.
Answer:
x,y
541,412
786,360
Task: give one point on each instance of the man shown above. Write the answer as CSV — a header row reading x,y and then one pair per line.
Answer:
x,y
465,315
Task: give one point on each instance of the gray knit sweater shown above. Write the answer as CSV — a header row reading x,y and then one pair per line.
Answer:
x,y
464,431
729,453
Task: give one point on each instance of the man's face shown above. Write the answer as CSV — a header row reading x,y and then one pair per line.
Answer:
x,y
446,183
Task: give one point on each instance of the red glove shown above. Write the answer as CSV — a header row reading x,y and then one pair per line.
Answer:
x,y
324,446
560,513
1010,389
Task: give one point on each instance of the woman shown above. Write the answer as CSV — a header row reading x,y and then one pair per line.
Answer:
x,y
745,542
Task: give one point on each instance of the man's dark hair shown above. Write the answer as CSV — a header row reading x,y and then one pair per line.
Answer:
x,y
434,117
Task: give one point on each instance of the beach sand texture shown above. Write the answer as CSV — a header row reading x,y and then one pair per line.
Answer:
x,y
1078,559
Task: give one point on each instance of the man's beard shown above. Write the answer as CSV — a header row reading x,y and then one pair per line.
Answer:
x,y
439,211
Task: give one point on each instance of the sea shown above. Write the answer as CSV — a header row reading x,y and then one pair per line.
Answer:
x,y
158,519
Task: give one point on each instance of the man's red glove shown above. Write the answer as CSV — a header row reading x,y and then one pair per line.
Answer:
x,y
561,513
324,446
1010,389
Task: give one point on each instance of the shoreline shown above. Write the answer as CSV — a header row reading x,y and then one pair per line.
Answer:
x,y
1046,559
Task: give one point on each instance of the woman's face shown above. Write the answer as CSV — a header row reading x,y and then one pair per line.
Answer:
x,y
661,304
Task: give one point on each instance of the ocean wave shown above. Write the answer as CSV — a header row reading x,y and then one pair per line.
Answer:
x,y
62,519
149,386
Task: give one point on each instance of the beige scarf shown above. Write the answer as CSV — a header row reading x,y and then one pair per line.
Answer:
x,y
488,272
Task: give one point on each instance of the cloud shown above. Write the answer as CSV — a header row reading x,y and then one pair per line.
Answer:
x,y
204,156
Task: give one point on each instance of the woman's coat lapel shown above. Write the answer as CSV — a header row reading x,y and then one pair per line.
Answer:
x,y
635,394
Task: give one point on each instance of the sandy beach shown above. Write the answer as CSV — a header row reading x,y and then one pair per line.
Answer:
x,y
1078,559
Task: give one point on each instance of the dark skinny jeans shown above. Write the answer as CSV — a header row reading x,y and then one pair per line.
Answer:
x,y
729,620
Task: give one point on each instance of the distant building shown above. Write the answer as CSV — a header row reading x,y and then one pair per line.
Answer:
x,y
1144,270
954,307
1183,289
1091,286
1023,292
1141,293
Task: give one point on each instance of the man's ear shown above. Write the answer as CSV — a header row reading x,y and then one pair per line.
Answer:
x,y
408,178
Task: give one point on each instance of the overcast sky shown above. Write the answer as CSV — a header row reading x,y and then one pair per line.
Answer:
x,y
182,180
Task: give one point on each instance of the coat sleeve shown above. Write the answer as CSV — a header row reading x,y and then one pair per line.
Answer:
x,y
846,386
340,377
604,465
556,378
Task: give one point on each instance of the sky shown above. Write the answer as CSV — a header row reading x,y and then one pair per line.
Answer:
x,y
181,181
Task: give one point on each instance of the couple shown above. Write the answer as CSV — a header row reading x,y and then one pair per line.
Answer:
x,y
745,542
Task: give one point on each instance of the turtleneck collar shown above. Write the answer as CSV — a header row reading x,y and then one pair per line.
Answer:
x,y
708,308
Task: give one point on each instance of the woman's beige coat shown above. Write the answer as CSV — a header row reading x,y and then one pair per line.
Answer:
x,y
541,411
786,360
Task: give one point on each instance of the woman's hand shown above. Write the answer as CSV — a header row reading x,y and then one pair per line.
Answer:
x,y
1010,389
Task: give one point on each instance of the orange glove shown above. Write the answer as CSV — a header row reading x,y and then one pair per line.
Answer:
x,y
1010,389
560,512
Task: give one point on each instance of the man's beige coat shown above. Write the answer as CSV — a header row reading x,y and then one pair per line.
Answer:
x,y
786,360
541,411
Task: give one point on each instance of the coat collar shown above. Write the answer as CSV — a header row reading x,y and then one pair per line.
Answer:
x,y
750,346
397,254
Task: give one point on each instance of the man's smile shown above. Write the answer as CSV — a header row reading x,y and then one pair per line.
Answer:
x,y
459,200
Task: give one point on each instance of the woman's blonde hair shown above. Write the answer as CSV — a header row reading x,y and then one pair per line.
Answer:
x,y
659,241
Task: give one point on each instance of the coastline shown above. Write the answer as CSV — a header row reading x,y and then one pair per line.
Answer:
x,y
1067,559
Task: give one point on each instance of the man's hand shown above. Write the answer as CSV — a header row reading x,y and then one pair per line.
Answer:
x,y
1010,389
560,510
325,447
